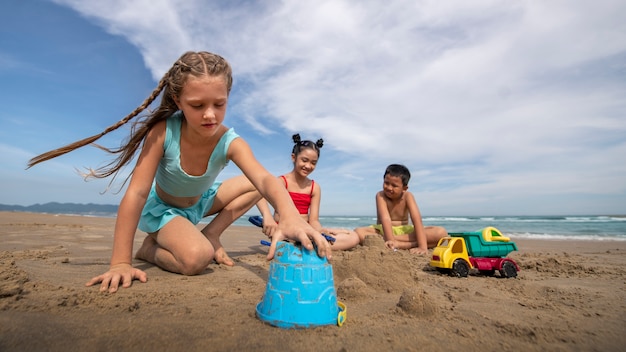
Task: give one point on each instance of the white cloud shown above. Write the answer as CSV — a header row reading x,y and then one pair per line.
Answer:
x,y
155,27
532,91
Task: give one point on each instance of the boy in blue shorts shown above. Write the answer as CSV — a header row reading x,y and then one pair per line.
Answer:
x,y
394,205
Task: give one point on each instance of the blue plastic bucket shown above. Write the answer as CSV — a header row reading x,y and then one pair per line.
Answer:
x,y
300,290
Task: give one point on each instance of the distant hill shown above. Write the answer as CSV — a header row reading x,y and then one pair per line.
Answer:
x,y
65,208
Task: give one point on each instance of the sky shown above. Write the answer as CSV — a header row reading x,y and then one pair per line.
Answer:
x,y
497,107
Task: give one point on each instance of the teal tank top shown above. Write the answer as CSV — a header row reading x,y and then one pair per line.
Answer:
x,y
171,177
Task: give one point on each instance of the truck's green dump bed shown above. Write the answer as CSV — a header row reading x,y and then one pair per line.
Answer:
x,y
478,247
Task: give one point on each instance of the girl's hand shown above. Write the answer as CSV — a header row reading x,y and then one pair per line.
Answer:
x,y
296,229
124,273
269,226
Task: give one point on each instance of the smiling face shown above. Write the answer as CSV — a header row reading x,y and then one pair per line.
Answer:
x,y
393,187
305,162
203,101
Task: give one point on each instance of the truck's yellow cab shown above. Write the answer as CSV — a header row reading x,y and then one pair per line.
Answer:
x,y
447,251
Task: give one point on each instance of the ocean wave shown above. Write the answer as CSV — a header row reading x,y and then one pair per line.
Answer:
x,y
339,218
561,237
434,219
558,219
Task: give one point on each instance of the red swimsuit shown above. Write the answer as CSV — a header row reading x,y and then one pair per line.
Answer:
x,y
302,201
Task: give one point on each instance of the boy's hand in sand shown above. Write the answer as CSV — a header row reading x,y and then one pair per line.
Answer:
x,y
297,229
393,245
124,273
419,251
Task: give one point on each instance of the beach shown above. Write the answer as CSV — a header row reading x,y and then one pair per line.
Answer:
x,y
568,296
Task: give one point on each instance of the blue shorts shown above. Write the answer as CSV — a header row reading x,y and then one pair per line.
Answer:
x,y
156,213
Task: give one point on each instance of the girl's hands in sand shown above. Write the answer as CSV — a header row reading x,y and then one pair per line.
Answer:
x,y
296,229
124,273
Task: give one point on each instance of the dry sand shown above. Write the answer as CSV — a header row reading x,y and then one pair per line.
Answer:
x,y
569,296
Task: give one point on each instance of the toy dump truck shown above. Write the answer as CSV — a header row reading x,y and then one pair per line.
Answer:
x,y
484,250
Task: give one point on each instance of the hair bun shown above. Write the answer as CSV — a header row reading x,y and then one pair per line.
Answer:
x,y
296,138
319,143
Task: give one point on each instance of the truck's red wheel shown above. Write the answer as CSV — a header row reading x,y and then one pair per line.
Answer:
x,y
460,268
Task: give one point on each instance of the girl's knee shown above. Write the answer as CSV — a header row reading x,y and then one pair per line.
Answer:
x,y
242,183
195,260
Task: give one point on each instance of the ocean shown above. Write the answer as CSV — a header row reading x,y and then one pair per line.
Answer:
x,y
597,228
579,227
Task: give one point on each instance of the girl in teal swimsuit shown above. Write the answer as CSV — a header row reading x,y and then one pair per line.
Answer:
x,y
306,195
183,145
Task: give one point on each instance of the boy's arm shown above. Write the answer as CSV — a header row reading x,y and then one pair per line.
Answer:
x,y
416,218
384,217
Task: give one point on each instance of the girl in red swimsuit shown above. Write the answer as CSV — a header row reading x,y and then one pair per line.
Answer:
x,y
306,194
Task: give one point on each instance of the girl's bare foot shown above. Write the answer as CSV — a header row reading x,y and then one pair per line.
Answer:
x,y
147,250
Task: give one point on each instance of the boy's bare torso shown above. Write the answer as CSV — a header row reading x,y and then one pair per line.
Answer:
x,y
398,210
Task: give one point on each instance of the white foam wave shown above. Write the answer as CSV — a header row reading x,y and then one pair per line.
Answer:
x,y
545,236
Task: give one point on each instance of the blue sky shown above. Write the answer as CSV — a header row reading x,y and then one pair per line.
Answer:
x,y
497,107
